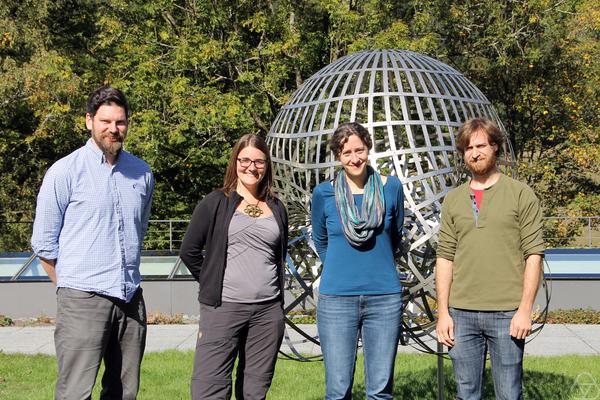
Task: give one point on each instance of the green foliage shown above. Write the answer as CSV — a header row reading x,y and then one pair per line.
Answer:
x,y
537,61
200,74
303,316
5,321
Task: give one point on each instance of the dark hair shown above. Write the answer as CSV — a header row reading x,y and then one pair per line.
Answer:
x,y
230,181
474,125
106,95
343,132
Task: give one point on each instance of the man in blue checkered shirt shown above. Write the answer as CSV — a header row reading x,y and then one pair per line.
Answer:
x,y
91,216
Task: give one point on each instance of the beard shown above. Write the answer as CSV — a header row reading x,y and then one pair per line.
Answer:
x,y
482,167
110,148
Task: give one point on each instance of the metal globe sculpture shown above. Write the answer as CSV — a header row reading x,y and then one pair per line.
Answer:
x,y
412,105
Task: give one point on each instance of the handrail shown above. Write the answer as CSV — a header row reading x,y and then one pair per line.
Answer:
x,y
167,234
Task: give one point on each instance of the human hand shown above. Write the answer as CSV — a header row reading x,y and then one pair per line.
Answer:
x,y
520,325
445,329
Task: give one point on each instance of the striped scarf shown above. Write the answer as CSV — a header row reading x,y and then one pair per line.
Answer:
x,y
359,225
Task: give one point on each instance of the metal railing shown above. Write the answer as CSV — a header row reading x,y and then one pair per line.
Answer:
x,y
167,234
558,232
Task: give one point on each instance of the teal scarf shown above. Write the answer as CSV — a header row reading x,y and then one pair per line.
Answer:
x,y
359,225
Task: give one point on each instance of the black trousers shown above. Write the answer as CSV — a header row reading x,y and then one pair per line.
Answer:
x,y
251,332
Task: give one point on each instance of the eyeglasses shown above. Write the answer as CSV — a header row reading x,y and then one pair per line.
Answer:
x,y
258,163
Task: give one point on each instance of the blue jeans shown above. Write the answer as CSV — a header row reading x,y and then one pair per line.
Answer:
x,y
341,320
475,332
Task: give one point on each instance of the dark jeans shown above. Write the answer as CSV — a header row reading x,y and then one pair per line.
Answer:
x,y
253,333
475,332
90,327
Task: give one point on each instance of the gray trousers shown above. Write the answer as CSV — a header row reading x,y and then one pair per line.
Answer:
x,y
90,327
253,333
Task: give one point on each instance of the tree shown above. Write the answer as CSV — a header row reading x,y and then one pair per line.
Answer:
x,y
201,73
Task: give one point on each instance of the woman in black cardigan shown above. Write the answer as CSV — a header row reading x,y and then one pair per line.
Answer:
x,y
242,229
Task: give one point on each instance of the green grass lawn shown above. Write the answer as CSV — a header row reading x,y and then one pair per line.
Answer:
x,y
166,376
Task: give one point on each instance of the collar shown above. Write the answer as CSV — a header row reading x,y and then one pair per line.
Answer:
x,y
98,155
95,152
492,186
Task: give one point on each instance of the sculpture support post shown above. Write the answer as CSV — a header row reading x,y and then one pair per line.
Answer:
x,y
440,371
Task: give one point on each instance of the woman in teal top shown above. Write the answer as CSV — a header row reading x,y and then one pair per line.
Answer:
x,y
357,226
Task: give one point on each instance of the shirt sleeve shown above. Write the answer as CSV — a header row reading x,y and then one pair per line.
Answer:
x,y
530,224
399,216
319,223
192,246
285,233
286,224
148,205
52,202
446,247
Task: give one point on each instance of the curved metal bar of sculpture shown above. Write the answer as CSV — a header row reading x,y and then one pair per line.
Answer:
x,y
412,105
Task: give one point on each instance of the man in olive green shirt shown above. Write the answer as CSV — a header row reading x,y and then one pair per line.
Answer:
x,y
488,268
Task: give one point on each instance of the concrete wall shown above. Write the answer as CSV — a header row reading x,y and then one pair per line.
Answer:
x,y
570,294
33,299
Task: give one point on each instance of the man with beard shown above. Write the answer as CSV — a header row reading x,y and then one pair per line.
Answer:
x,y
488,268
91,216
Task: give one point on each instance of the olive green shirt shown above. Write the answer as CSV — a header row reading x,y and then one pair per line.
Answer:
x,y
488,249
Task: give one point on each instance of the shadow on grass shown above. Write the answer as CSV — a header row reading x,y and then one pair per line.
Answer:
x,y
422,384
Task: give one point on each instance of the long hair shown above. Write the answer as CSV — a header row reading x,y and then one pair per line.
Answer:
x,y
231,180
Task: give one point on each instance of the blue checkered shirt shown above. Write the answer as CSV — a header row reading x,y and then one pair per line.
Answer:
x,y
91,218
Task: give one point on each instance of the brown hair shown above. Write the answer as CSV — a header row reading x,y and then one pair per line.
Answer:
x,y
474,125
343,132
231,179
106,95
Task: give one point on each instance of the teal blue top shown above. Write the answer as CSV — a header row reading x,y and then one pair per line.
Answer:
x,y
366,270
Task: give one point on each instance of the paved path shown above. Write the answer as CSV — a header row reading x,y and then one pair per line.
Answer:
x,y
552,341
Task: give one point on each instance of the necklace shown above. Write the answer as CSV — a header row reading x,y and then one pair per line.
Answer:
x,y
253,210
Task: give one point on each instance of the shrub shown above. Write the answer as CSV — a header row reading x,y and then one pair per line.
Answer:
x,y
6,321
159,318
575,316
43,319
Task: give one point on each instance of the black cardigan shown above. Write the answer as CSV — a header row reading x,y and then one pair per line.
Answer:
x,y
209,228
